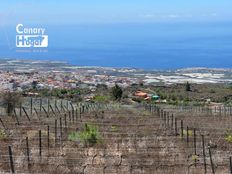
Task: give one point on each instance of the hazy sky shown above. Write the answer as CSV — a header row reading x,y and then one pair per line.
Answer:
x,y
113,11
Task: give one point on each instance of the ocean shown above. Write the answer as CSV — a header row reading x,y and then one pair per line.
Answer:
x,y
147,46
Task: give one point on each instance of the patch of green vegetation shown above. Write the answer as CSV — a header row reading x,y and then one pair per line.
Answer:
x,y
75,93
117,92
190,133
194,92
113,128
89,136
3,134
10,100
194,157
62,93
101,98
173,102
228,136
73,136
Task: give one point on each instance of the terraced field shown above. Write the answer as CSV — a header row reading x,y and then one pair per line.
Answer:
x,y
134,140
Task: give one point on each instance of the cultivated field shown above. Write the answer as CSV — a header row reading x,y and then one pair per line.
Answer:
x,y
133,139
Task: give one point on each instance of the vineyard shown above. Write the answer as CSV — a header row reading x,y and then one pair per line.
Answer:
x,y
42,137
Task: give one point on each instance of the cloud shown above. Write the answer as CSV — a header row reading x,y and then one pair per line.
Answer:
x,y
213,14
147,15
173,16
160,16
209,14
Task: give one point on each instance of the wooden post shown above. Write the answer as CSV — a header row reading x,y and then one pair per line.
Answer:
x,y
64,107
52,110
24,110
61,105
76,115
55,105
48,136
48,105
2,124
69,116
65,121
31,104
40,144
165,117
176,127
230,165
57,108
131,169
80,113
187,136
16,117
28,151
55,131
40,105
73,116
195,145
211,161
172,122
182,128
45,111
60,128
203,150
71,105
11,160
20,110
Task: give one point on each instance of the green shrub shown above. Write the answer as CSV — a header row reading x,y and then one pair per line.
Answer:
x,y
190,133
73,136
228,138
2,134
89,136
195,157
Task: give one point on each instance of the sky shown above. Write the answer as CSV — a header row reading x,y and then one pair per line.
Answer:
x,y
113,11
179,33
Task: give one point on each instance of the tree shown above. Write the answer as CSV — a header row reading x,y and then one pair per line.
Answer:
x,y
34,84
117,92
188,87
10,100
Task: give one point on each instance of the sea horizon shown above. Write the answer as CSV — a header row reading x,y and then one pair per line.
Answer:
x,y
140,45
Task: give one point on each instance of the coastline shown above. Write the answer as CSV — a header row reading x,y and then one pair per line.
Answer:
x,y
197,75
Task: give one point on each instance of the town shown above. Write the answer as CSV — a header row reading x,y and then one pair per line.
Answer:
x,y
45,78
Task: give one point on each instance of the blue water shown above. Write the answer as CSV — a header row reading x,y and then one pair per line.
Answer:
x,y
151,46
